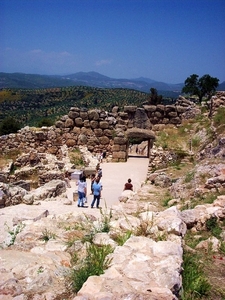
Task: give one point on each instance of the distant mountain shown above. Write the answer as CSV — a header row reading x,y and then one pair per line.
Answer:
x,y
92,79
221,87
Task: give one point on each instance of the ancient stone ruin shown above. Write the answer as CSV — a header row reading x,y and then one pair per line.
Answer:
x,y
100,130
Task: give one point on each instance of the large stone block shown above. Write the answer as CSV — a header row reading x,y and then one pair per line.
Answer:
x,y
94,124
172,114
69,123
108,132
93,115
79,122
176,120
103,124
150,108
84,115
86,123
98,132
70,142
120,140
104,140
119,155
73,114
130,108
119,148
59,124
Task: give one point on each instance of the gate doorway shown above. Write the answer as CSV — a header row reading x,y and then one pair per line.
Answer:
x,y
140,141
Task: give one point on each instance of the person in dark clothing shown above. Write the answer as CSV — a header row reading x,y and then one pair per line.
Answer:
x,y
97,187
128,185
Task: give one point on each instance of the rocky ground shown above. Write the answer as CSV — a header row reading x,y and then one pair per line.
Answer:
x,y
178,210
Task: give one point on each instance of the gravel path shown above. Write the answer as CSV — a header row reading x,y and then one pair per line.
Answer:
x,y
114,177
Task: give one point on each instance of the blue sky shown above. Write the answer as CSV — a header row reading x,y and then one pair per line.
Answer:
x,y
165,40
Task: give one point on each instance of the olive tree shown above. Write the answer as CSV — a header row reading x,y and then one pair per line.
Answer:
x,y
204,86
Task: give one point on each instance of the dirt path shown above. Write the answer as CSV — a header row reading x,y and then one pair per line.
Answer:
x,y
114,177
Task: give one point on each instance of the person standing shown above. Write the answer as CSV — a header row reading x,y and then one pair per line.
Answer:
x,y
92,182
99,174
82,191
97,188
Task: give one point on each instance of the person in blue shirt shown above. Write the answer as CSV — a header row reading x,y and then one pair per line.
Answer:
x,y
97,188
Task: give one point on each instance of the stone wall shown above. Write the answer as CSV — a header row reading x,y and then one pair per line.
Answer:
x,y
100,130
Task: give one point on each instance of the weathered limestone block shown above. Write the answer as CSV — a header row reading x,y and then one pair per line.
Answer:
x,y
140,269
140,118
111,120
79,122
115,109
53,150
57,141
160,108
123,115
172,114
75,109
98,132
158,127
63,118
158,114
82,139
59,124
170,220
169,108
76,130
84,115
176,120
52,134
165,121
40,135
94,124
93,115
130,124
73,114
180,109
118,147
119,155
103,238
86,131
69,123
149,108
103,124
142,133
87,123
120,140
122,122
130,109
104,140
91,142
71,142
108,133
103,114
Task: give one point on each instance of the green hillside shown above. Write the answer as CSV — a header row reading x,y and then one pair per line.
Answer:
x,y
29,106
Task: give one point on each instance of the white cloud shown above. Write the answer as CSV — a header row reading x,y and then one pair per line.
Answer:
x,y
103,62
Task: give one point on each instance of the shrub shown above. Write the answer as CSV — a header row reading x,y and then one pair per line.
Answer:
x,y
47,235
95,263
219,116
9,125
45,122
195,284
212,225
122,238
189,177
